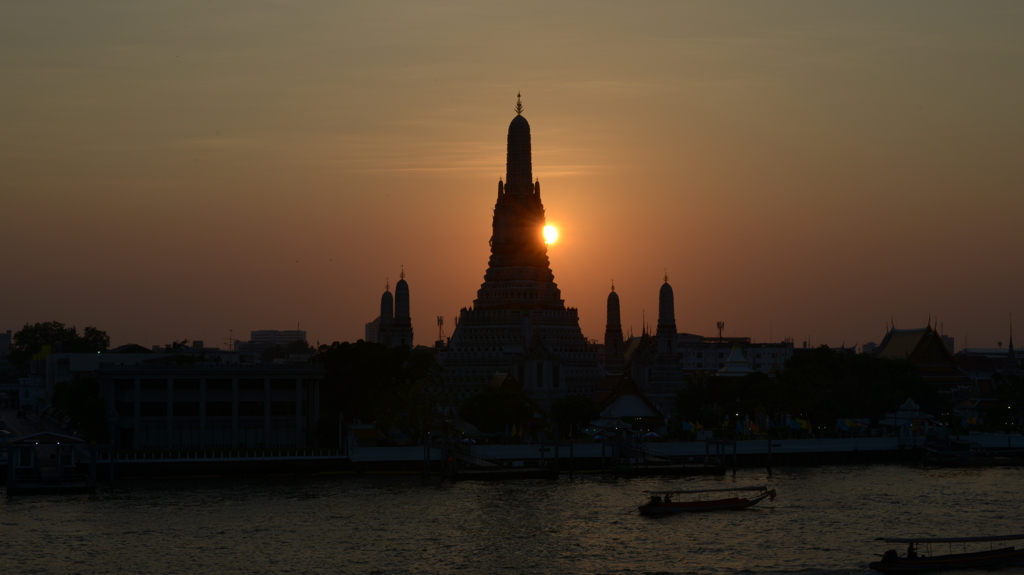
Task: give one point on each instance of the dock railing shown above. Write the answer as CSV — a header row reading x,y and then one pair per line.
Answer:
x,y
168,455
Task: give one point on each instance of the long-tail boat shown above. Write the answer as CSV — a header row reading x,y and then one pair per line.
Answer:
x,y
661,502
919,557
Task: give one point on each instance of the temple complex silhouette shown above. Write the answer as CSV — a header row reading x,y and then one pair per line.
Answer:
x,y
520,330
518,324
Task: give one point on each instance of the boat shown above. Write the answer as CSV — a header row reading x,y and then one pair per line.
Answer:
x,y
661,503
919,557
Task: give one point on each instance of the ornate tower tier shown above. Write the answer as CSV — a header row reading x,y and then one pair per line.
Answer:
x,y
519,323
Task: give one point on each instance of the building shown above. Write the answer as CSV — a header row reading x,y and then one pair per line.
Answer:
x,y
379,330
264,339
211,406
186,347
393,327
661,364
518,323
933,362
614,348
401,328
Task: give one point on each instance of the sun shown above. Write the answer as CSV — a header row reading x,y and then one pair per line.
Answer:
x,y
550,234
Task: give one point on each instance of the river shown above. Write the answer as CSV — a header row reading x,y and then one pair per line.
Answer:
x,y
824,521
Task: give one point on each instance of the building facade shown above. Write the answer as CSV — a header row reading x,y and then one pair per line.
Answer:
x,y
239,406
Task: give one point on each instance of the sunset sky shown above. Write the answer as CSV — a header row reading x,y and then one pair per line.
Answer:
x,y
804,169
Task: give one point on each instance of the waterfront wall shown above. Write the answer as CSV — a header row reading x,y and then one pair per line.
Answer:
x,y
696,449
580,457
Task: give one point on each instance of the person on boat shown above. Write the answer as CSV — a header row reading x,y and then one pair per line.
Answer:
x,y
668,498
911,552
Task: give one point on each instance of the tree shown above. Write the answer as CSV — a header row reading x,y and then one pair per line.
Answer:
x,y
494,410
30,340
80,398
828,385
573,410
822,385
392,387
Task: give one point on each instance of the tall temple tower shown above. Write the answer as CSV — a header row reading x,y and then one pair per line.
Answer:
x,y
1011,366
393,327
614,346
666,334
401,326
518,323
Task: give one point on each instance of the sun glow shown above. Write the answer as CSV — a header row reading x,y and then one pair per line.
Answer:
x,y
550,234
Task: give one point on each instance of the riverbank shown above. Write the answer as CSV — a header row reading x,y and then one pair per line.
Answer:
x,y
564,458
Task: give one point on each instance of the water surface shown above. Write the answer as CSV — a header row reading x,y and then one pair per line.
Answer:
x,y
824,521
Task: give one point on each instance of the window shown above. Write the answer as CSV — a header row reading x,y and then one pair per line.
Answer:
x,y
218,385
154,385
186,385
218,409
153,409
250,408
554,375
282,408
540,375
124,385
125,408
186,409
250,385
282,384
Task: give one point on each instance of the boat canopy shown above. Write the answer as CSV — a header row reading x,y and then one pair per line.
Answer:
x,y
949,539
753,488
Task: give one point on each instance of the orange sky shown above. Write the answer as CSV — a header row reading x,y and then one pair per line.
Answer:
x,y
801,169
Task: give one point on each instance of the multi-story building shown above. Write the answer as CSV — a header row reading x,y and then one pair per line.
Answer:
x,y
210,406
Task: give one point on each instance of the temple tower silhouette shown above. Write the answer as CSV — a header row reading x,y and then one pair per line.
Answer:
x,y
518,323
401,326
666,334
614,345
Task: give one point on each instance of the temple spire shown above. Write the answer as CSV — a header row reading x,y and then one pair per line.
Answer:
x,y
519,104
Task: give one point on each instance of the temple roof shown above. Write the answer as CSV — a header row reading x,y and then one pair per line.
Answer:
x,y
624,396
736,365
45,438
901,343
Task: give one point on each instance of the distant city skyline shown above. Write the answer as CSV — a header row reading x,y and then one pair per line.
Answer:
x,y
802,170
